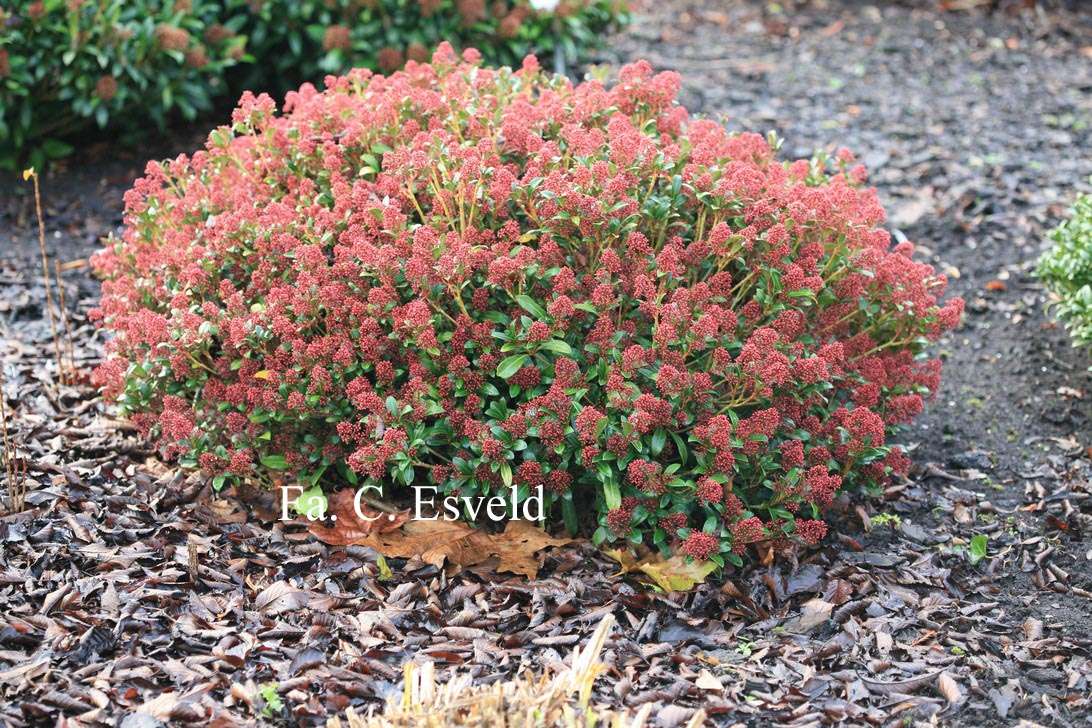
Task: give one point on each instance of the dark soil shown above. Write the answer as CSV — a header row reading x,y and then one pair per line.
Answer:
x,y
129,588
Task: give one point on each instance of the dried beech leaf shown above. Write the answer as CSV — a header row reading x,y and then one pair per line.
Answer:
x,y
815,613
352,527
838,591
436,542
899,686
625,558
707,681
281,596
518,545
949,688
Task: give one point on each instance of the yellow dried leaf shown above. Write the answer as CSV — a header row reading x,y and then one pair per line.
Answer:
x,y
676,574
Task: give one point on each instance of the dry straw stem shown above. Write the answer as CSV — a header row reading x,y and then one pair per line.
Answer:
x,y
562,701
16,476
70,348
31,174
9,450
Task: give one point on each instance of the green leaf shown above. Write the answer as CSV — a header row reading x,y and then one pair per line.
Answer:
x,y
568,514
680,446
659,439
558,346
511,365
531,306
311,503
612,494
274,462
55,149
978,548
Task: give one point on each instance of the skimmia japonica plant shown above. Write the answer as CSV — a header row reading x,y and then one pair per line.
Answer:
x,y
474,278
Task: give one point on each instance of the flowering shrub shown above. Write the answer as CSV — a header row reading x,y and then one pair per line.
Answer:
x,y
1066,269
303,40
481,278
70,65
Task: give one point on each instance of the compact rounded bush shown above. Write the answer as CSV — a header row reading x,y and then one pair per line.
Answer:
x,y
484,279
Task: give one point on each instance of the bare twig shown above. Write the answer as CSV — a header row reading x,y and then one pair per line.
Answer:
x,y
64,318
9,451
31,174
16,475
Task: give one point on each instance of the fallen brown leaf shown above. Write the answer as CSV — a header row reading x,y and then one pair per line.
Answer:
x,y
453,542
707,681
949,688
899,686
815,613
350,527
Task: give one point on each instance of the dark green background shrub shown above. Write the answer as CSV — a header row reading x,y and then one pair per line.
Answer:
x,y
67,66
299,42
70,65
1066,269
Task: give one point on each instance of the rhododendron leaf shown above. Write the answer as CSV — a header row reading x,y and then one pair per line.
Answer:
x,y
508,367
625,558
385,572
677,573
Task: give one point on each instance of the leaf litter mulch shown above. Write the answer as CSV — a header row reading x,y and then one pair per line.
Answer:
x,y
133,595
